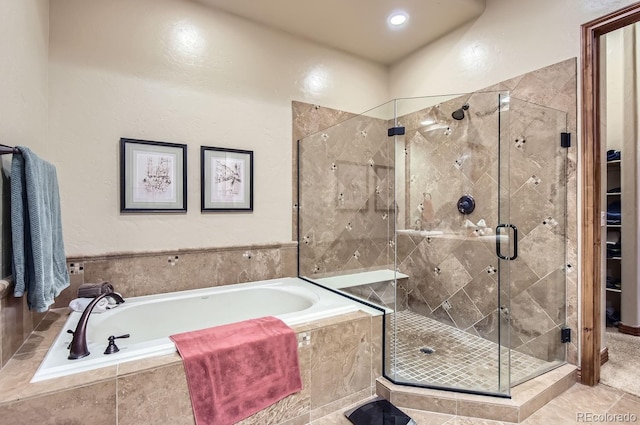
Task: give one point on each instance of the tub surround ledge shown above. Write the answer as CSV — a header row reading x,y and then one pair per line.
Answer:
x,y
137,254
18,394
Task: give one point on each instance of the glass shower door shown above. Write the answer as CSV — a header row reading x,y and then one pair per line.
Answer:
x,y
449,332
537,205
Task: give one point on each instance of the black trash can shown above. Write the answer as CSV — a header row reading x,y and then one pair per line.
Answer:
x,y
378,412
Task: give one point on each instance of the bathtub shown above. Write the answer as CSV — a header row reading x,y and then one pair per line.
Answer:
x,y
149,320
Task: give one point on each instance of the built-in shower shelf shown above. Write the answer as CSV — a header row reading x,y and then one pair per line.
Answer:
x,y
421,233
442,235
362,278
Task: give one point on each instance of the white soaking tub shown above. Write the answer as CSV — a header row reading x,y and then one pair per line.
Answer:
x,y
149,320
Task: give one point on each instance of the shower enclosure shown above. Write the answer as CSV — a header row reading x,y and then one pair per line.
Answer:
x,y
449,213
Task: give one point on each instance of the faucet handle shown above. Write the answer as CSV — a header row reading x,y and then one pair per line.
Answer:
x,y
117,337
112,347
69,331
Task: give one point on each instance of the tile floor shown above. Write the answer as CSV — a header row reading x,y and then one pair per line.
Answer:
x,y
453,358
578,405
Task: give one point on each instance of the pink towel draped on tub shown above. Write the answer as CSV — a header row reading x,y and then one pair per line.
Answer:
x,y
236,370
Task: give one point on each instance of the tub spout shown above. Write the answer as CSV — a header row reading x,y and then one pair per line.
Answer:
x,y
78,347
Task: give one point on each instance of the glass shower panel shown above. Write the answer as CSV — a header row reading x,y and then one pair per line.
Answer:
x,y
449,212
346,212
506,246
537,203
446,331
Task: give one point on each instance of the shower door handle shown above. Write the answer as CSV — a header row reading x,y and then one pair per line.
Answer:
x,y
515,241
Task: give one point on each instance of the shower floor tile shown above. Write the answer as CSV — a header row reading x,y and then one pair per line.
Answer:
x,y
428,352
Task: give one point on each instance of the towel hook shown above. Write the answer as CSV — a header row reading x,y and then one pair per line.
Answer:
x,y
4,149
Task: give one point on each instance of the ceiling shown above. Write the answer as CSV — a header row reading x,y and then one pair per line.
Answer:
x,y
358,27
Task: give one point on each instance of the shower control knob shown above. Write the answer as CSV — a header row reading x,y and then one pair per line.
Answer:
x,y
466,204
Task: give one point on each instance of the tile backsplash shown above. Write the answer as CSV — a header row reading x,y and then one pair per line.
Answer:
x,y
136,274
152,273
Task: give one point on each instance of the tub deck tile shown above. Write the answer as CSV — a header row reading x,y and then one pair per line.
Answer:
x,y
15,377
94,404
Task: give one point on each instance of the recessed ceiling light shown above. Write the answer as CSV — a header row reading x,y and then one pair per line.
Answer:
x,y
397,19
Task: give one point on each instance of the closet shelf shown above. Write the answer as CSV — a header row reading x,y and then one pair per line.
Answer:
x,y
613,233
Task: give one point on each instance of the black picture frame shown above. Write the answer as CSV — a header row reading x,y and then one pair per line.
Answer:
x,y
226,179
153,176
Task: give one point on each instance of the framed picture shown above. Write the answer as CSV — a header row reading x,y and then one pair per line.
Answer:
x,y
227,179
153,176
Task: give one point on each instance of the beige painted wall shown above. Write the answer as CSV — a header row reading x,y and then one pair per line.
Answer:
x,y
510,38
175,71
24,46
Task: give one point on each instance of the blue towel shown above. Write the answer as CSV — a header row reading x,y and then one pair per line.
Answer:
x,y
39,262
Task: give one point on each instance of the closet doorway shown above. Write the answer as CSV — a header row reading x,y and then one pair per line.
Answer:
x,y
593,205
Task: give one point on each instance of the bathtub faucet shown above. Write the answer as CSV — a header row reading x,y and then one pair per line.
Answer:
x,y
78,347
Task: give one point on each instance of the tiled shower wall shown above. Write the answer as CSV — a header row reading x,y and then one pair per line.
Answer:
x,y
345,176
459,271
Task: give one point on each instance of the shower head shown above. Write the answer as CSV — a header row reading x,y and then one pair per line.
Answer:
x,y
458,114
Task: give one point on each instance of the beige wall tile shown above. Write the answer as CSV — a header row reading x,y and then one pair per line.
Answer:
x,y
15,377
144,274
16,325
136,366
300,420
76,278
293,407
541,399
155,397
94,404
340,361
46,331
428,418
446,405
488,411
340,405
376,349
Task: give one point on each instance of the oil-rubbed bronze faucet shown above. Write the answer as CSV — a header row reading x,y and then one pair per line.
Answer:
x,y
78,346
